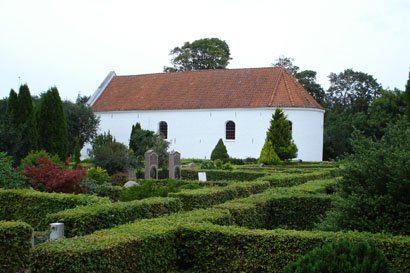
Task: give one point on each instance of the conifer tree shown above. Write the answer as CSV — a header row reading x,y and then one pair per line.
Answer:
x,y
220,151
407,94
280,135
12,105
268,155
52,125
25,118
77,152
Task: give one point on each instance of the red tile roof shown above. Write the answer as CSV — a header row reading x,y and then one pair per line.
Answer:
x,y
205,89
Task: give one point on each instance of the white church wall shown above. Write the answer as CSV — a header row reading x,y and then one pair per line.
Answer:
x,y
194,133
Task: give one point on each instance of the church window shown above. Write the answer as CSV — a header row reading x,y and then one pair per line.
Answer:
x,y
163,129
230,130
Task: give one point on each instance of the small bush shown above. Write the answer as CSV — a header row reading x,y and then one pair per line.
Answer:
x,y
236,161
189,187
32,158
149,188
227,166
207,165
218,164
102,190
9,177
98,174
55,178
220,152
113,157
342,256
15,246
268,155
119,179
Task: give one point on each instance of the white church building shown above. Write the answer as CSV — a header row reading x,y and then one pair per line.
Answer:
x,y
193,110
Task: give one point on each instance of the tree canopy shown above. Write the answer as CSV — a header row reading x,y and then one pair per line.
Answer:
x,y
208,53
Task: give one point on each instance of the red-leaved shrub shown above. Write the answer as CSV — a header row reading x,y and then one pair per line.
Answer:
x,y
55,178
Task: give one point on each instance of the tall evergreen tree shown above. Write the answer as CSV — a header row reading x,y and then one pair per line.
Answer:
x,y
280,135
220,152
25,118
52,125
12,105
407,94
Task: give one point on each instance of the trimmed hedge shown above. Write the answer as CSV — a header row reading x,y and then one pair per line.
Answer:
x,y
85,220
278,208
15,246
215,175
289,180
174,244
326,186
32,206
210,248
147,246
207,197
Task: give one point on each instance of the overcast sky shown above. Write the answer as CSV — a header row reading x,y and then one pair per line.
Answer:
x,y
74,44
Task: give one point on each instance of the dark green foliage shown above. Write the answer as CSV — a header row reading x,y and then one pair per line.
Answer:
x,y
101,140
141,140
85,220
307,79
26,119
9,177
113,157
15,246
218,175
268,155
280,135
77,152
102,190
287,63
119,179
375,189
11,137
207,165
207,197
149,188
32,206
200,54
82,123
407,95
12,106
342,257
52,125
293,179
220,152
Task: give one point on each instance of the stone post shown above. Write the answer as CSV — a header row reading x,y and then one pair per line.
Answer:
x,y
174,167
151,164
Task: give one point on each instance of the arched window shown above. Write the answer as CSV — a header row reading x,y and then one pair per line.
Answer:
x,y
230,130
163,129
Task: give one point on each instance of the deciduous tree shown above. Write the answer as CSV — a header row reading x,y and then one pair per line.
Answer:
x,y
208,53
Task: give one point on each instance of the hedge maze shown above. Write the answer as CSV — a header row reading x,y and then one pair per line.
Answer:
x,y
257,224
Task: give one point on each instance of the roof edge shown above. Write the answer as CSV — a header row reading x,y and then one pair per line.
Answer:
x,y
101,88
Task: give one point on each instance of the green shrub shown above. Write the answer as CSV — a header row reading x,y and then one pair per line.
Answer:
x,y
32,159
218,164
375,189
220,152
268,155
9,177
15,246
236,161
149,188
342,256
207,165
119,179
207,197
326,186
113,157
227,166
218,175
147,246
278,208
32,206
288,180
85,220
189,187
102,190
98,174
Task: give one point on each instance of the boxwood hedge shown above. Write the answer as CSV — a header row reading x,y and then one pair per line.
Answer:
x,y
85,220
207,197
15,246
215,175
32,206
289,180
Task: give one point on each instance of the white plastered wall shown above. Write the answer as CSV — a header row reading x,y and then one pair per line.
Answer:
x,y
194,133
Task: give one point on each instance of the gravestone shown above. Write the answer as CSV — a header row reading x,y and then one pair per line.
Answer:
x,y
174,167
151,164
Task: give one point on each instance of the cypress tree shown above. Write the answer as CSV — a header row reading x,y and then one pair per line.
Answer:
x,y
220,151
25,117
280,135
12,106
407,94
77,152
52,124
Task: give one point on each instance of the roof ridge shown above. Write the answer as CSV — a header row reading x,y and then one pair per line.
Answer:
x,y
287,89
275,89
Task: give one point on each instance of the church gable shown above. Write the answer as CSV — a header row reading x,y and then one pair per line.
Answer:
x,y
204,89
